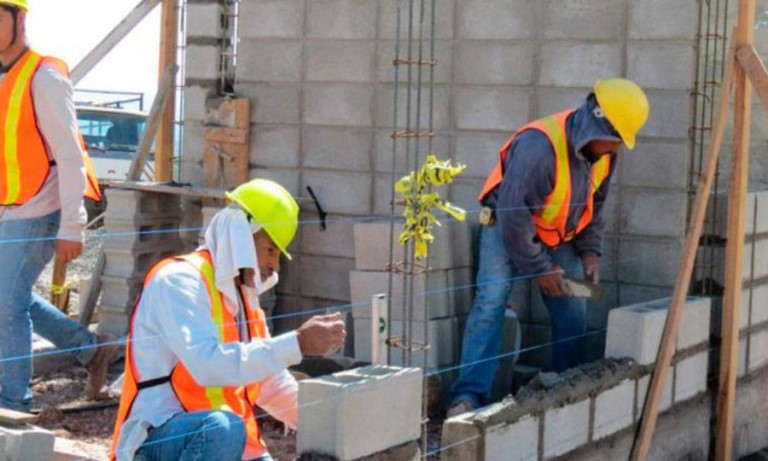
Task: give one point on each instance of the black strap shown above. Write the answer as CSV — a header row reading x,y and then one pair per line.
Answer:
x,y
153,382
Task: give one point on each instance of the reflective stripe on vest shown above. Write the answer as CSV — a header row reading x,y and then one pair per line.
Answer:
x,y
191,395
552,219
24,162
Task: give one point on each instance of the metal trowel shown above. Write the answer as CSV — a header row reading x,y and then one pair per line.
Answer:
x,y
583,289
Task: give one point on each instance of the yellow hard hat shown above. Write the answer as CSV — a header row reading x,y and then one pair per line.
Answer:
x,y
624,104
273,208
23,4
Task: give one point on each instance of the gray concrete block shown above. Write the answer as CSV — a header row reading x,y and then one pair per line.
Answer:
x,y
442,342
338,104
444,19
120,292
195,97
493,63
130,263
479,151
462,439
575,20
632,294
341,19
662,19
202,63
333,241
758,350
761,214
496,19
288,178
338,148
566,428
193,145
635,331
125,235
131,205
204,20
385,111
28,443
759,267
264,19
275,146
691,376
640,167
661,65
340,61
640,264
271,103
491,108
338,413
382,196
260,60
340,192
513,442
666,395
741,370
614,410
386,54
670,115
552,99
334,282
759,302
564,63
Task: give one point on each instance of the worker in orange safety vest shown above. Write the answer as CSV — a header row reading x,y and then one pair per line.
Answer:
x,y
44,174
199,355
543,218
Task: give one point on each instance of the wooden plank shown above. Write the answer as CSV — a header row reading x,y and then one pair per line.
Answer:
x,y
734,251
756,72
190,191
113,38
229,113
16,417
226,165
642,443
168,49
227,135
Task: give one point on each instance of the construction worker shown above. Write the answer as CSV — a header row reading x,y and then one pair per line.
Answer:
x,y
199,354
543,218
44,173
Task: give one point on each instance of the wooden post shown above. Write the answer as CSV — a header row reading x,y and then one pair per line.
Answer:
x,y
669,338
756,72
734,253
165,134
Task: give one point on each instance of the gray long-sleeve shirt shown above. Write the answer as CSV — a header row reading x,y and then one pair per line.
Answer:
x,y
529,177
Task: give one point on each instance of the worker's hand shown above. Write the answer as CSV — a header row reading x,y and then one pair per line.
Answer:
x,y
591,264
551,283
67,250
321,335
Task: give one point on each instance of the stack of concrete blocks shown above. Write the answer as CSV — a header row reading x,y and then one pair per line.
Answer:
x,y
441,294
26,443
141,229
357,413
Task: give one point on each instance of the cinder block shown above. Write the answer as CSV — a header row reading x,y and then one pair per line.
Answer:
x,y
753,208
671,114
338,104
513,442
283,19
479,151
662,19
440,113
338,413
759,303
666,395
337,148
131,264
565,63
566,428
28,443
195,97
340,61
269,60
443,14
277,104
491,108
660,65
574,20
488,63
126,204
758,350
334,282
639,170
341,19
495,19
202,63
275,146
204,20
120,292
640,203
691,376
742,368
333,241
462,439
635,331
385,69
341,192
137,236
614,409
641,264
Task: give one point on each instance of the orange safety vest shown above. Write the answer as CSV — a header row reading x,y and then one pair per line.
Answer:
x,y
551,220
24,162
192,396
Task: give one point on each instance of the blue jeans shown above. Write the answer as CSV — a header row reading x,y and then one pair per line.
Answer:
x,y
196,436
483,333
26,246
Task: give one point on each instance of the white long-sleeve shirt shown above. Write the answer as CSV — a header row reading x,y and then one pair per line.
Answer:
x,y
173,323
57,121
